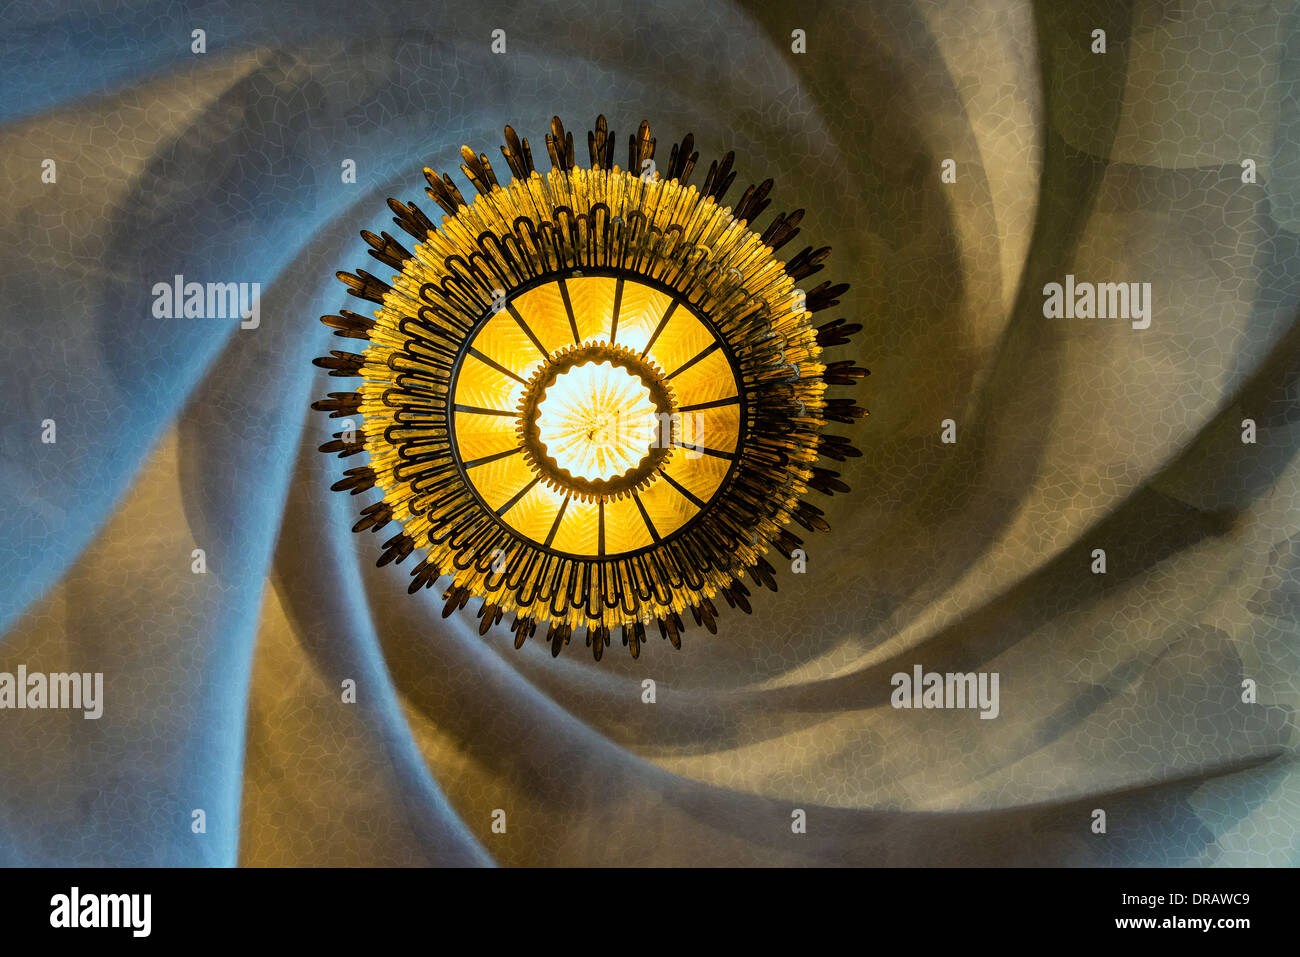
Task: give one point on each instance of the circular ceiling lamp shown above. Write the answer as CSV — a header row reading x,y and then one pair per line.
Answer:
x,y
592,398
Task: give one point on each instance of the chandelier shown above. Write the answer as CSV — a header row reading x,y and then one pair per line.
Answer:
x,y
592,398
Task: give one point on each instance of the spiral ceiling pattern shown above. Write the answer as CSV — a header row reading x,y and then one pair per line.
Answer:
x,y
222,690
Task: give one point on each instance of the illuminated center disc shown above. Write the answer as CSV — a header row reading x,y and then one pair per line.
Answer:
x,y
597,416
597,421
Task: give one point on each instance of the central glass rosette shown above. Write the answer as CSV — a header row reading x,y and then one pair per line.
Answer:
x,y
597,421
595,416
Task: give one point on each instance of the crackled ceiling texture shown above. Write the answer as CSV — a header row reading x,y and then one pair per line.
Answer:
x,y
1121,692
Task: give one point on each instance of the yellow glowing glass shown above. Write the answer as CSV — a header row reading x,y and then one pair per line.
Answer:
x,y
576,419
591,398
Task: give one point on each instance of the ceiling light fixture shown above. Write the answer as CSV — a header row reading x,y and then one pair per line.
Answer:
x,y
592,398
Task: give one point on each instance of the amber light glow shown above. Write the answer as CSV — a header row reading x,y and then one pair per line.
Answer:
x,y
590,398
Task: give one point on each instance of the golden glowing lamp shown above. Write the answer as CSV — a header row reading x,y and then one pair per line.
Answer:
x,y
592,398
